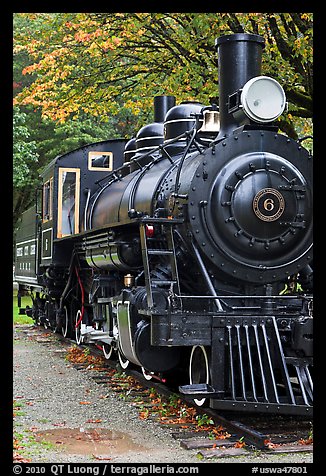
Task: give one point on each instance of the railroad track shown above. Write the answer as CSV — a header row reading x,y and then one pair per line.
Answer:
x,y
210,433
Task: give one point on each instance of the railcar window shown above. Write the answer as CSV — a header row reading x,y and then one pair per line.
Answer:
x,y
47,200
100,161
68,202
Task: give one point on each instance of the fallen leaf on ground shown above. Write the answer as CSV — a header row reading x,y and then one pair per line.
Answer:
x,y
102,458
308,441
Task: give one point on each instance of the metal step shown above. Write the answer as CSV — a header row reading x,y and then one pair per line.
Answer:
x,y
167,252
159,252
202,389
104,300
163,281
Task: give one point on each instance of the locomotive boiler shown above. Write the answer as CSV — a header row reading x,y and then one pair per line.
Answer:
x,y
188,250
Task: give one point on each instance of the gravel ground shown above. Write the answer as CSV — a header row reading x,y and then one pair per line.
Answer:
x,y
49,390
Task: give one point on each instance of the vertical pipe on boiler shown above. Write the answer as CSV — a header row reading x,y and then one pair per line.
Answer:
x,y
239,59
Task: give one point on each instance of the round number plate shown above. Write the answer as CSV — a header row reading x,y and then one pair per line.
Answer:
x,y
268,204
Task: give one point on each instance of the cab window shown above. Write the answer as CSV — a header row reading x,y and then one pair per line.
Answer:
x,y
100,161
68,202
47,200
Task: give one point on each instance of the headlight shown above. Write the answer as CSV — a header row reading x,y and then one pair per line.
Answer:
x,y
263,99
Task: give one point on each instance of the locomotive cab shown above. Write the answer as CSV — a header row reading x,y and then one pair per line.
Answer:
x,y
48,230
68,182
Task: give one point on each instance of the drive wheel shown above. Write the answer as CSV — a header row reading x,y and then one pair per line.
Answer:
x,y
199,369
107,350
123,361
65,329
147,374
78,323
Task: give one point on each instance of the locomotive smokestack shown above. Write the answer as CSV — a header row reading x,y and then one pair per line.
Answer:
x,y
162,104
239,59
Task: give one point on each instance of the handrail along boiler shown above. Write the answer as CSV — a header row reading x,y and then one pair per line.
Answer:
x,y
187,251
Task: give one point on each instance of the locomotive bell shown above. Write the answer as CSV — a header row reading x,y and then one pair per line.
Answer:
x,y
211,122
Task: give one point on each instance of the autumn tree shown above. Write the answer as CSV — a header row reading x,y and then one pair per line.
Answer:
x,y
100,63
41,137
72,69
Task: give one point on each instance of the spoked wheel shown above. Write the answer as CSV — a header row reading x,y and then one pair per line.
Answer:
x,y
147,374
44,320
107,350
122,359
65,323
78,323
199,369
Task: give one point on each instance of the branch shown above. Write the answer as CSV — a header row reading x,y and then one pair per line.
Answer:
x,y
302,25
289,52
286,52
302,100
288,128
300,112
234,23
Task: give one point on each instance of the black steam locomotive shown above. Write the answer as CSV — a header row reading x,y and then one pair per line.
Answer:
x,y
187,250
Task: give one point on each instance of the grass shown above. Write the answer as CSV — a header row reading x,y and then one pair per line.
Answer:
x,y
25,301
24,440
25,444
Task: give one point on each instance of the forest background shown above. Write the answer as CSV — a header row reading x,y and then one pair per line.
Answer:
x,y
85,77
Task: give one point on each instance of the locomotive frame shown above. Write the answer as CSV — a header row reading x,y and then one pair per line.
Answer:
x,y
209,188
